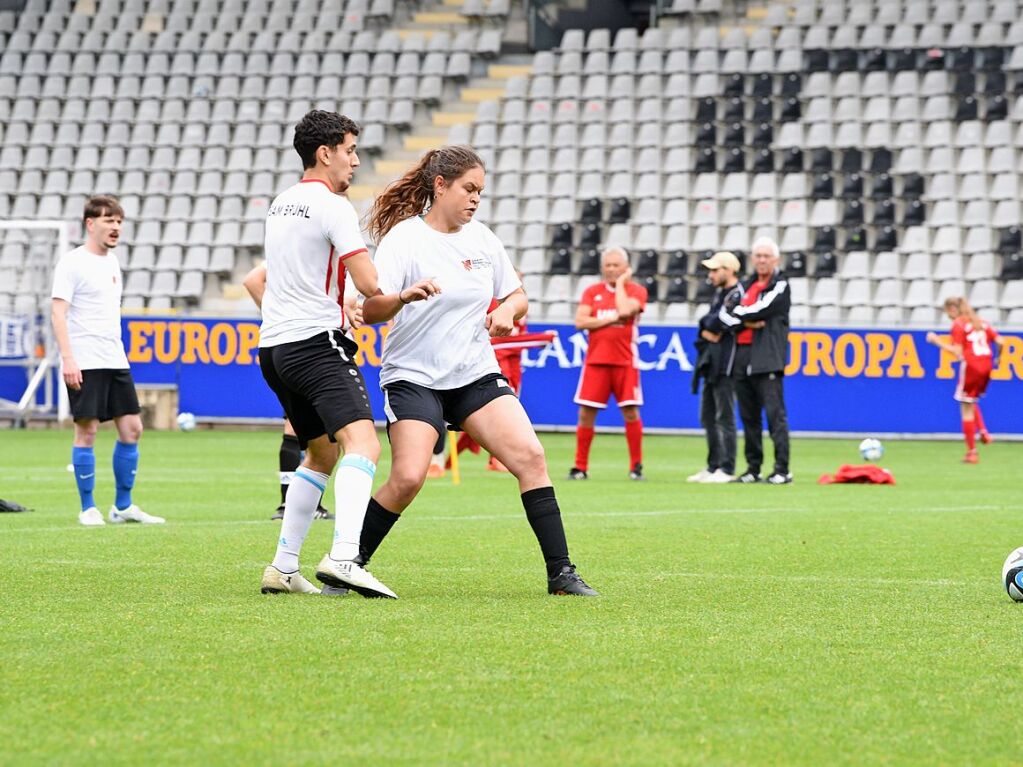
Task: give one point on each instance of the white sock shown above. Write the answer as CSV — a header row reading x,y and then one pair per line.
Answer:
x,y
353,486
299,507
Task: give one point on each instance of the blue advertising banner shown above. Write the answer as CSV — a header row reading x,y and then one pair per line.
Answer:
x,y
837,380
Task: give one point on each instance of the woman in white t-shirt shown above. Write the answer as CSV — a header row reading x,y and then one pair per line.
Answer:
x,y
438,364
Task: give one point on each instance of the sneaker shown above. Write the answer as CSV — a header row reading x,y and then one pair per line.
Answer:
x,y
749,478
700,476
568,583
279,514
495,465
577,473
971,457
719,477
435,471
779,479
91,517
986,438
334,591
133,514
322,513
636,472
276,582
348,574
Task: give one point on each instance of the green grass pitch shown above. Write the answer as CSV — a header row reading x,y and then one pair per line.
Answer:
x,y
738,625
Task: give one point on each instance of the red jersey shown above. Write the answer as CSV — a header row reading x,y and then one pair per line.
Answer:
x,y
975,342
613,344
745,336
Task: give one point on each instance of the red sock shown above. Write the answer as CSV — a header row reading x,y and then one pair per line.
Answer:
x,y
970,432
634,436
978,418
583,438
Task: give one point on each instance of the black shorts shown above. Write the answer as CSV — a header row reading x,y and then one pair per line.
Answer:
x,y
105,394
318,384
405,401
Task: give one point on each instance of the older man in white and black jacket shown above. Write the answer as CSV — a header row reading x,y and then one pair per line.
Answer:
x,y
761,353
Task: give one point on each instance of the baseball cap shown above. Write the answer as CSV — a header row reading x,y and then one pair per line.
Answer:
x,y
722,260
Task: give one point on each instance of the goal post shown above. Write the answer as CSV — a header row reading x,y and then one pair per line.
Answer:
x,y
29,357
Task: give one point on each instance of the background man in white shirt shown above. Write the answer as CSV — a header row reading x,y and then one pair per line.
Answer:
x,y
86,315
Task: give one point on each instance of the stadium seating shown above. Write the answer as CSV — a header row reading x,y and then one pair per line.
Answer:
x,y
878,142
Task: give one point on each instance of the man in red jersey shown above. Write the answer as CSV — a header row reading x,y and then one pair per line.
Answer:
x,y
972,339
608,310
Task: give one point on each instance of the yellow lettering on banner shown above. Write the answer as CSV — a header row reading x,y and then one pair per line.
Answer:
x,y
1010,360
905,361
248,342
139,333
366,339
880,348
196,337
818,355
223,335
947,367
843,344
795,352
167,341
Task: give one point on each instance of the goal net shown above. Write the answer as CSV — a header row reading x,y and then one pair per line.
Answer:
x,y
29,358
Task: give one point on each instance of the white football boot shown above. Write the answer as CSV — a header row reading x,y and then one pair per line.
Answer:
x,y
700,476
719,477
91,517
133,514
351,575
276,582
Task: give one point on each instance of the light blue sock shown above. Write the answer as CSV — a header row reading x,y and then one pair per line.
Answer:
x,y
84,462
126,461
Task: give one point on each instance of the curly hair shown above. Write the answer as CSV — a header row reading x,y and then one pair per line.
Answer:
x,y
411,194
319,128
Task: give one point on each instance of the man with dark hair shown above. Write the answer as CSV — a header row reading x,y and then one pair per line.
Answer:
x,y
319,128
716,347
313,241
761,321
86,316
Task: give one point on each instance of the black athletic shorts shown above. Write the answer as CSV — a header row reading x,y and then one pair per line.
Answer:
x,y
318,383
105,394
405,401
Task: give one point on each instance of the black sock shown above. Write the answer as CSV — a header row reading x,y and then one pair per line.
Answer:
x,y
375,527
289,458
544,517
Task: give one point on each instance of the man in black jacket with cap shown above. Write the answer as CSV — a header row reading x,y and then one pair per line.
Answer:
x,y
716,346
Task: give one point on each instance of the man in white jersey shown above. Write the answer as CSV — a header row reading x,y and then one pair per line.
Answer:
x,y
313,241
86,315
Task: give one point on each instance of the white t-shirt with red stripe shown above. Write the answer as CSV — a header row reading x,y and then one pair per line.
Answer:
x,y
310,231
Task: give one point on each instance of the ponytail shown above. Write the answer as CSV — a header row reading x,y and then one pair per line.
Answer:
x,y
411,194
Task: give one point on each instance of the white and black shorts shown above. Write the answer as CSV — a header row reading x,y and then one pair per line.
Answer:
x,y
318,384
405,401
105,394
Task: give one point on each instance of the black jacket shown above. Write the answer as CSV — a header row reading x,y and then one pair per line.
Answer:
x,y
770,351
714,360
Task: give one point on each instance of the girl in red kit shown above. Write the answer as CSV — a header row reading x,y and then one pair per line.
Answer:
x,y
972,340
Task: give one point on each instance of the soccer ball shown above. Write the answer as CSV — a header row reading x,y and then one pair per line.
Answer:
x,y
871,449
186,421
1012,575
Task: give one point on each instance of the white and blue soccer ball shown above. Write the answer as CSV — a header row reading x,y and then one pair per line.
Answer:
x,y
186,421
871,449
1012,575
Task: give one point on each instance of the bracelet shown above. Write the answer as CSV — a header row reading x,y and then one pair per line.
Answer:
x,y
401,300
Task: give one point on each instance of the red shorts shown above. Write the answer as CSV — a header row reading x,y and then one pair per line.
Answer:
x,y
598,382
511,368
972,382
